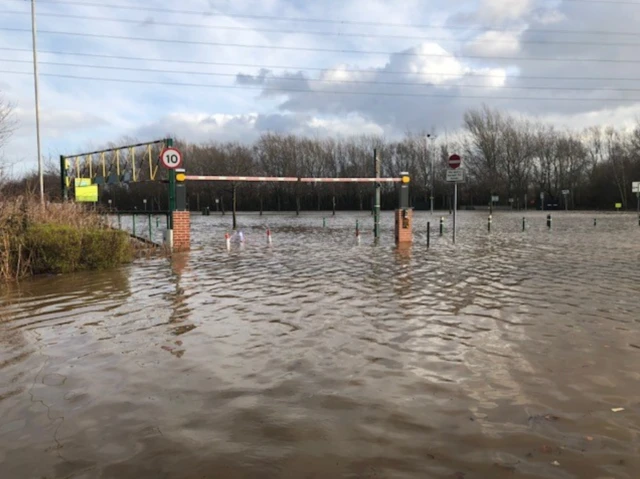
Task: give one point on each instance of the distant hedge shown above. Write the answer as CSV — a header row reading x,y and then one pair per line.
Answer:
x,y
52,248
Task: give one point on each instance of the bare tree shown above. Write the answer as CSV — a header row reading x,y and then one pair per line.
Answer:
x,y
7,127
485,148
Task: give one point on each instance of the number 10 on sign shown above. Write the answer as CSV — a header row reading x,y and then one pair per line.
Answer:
x,y
171,158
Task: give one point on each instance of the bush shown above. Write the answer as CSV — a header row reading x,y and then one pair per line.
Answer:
x,y
105,248
54,248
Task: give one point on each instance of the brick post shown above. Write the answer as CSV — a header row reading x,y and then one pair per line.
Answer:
x,y
181,230
404,226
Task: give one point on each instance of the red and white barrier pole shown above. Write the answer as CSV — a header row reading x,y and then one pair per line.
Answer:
x,y
227,240
268,236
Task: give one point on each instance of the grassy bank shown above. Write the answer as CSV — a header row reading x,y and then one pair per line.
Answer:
x,y
56,238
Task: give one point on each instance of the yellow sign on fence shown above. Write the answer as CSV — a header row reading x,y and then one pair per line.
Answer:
x,y
85,191
618,206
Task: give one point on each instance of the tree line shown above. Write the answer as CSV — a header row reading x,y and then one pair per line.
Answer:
x,y
511,157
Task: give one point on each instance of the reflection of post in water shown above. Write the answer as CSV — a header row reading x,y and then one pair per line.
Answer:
x,y
403,281
179,310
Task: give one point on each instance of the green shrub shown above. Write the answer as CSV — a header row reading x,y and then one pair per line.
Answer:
x,y
105,248
53,248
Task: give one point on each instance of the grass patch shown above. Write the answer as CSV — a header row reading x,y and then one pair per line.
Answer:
x,y
56,238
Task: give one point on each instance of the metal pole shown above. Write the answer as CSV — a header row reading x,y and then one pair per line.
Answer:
x,y
376,203
455,209
37,101
134,224
150,233
432,183
63,178
428,234
172,189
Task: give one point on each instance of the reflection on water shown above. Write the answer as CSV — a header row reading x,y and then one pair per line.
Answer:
x,y
501,356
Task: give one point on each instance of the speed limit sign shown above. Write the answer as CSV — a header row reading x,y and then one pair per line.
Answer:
x,y
171,158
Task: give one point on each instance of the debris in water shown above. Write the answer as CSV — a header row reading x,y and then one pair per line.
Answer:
x,y
555,463
617,409
589,438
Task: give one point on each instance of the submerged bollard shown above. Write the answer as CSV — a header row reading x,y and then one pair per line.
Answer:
x,y
428,234
441,225
134,224
268,236
119,222
150,233
489,224
595,221
227,240
357,231
524,224
549,221
324,222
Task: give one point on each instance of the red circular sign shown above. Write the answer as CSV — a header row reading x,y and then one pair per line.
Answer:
x,y
171,158
454,161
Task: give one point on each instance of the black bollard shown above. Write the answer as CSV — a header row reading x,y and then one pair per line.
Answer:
x,y
441,225
595,221
428,234
524,224
489,224
549,221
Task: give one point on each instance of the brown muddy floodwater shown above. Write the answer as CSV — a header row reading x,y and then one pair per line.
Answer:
x,y
500,357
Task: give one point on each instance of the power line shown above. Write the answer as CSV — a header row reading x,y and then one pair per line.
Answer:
x,y
321,33
323,92
319,50
314,69
317,80
330,21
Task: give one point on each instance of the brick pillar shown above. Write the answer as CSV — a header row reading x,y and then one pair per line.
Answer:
x,y
181,231
404,226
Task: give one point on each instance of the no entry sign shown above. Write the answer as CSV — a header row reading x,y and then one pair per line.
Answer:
x,y
454,161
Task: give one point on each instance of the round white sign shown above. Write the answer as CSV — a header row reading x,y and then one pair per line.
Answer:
x,y
171,158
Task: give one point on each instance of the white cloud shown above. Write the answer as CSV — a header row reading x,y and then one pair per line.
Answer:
x,y
494,43
499,10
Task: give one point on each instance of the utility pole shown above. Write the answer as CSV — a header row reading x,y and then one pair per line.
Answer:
x,y
35,84
430,154
376,202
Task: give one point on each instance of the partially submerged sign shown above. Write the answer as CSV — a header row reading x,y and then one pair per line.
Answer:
x,y
635,187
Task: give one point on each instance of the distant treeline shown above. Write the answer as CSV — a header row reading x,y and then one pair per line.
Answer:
x,y
505,156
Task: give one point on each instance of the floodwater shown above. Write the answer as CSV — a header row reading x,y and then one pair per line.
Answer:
x,y
507,355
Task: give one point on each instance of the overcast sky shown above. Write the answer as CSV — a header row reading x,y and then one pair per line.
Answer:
x,y
231,70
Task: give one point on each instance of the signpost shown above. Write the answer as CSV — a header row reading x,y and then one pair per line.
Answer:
x,y
635,188
455,176
565,193
171,158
